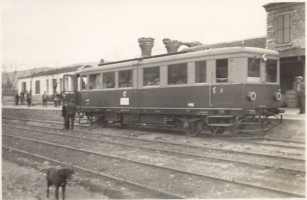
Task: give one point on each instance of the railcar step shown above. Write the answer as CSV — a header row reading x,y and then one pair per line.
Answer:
x,y
220,116
225,125
250,130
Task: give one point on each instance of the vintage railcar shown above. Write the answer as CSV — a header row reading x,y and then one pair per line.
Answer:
x,y
235,88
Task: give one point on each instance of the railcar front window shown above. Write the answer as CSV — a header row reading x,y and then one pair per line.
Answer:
x,y
125,78
253,70
200,72
109,80
151,76
271,71
83,82
222,70
177,74
94,81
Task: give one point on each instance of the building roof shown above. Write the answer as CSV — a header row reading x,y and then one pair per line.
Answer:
x,y
70,68
259,42
270,6
251,42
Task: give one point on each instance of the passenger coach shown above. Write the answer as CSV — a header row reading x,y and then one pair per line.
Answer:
x,y
234,88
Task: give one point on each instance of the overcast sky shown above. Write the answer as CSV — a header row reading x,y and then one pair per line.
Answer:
x,y
56,33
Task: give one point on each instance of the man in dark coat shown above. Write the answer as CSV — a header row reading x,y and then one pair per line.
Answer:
x,y
71,111
16,99
65,115
44,98
300,89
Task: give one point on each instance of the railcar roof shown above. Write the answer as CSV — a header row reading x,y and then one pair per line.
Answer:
x,y
188,53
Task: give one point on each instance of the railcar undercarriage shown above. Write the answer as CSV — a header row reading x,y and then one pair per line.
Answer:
x,y
258,122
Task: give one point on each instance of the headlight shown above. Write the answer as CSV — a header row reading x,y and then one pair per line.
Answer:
x,y
277,96
252,96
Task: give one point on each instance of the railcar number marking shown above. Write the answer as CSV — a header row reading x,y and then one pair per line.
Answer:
x,y
214,90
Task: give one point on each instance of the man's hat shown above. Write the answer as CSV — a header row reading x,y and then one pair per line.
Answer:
x,y
299,77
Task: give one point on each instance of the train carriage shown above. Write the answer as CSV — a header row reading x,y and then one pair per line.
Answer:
x,y
235,89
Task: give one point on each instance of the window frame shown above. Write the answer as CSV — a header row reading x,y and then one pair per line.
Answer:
x,y
282,30
118,79
159,76
99,79
177,65
37,87
195,71
228,70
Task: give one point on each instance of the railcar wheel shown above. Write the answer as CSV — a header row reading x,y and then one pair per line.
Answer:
x,y
193,129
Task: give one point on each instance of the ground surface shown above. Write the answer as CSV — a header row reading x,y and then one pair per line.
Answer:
x,y
25,183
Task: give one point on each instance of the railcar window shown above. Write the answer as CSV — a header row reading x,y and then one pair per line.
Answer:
x,y
253,70
125,78
83,82
94,81
151,76
177,74
222,70
109,80
200,72
271,71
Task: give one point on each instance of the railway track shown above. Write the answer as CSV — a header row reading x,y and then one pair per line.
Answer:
x,y
296,165
241,140
230,180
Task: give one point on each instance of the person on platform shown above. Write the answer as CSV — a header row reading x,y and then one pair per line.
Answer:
x,y
22,95
29,98
16,99
71,111
65,115
300,89
56,99
44,98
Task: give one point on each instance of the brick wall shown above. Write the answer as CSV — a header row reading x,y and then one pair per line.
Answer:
x,y
297,11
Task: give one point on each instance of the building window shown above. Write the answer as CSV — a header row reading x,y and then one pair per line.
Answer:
x,y
221,70
200,72
37,87
109,80
84,82
151,76
177,74
125,78
54,85
253,72
283,31
271,71
47,86
24,86
94,81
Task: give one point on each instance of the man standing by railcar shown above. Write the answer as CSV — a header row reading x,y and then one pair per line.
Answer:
x,y
300,89
65,115
71,111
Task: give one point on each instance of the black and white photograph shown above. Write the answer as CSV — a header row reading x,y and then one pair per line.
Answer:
x,y
153,99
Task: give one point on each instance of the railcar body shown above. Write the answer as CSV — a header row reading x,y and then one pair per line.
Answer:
x,y
215,89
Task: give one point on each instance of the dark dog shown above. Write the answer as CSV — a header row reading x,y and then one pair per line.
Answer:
x,y
58,178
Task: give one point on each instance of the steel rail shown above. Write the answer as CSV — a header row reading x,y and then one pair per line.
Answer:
x,y
96,173
233,141
166,151
195,146
165,168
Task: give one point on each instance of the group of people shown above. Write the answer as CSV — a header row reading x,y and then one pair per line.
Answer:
x,y
68,112
24,96
57,98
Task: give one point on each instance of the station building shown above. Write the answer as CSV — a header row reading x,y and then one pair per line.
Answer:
x,y
51,81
